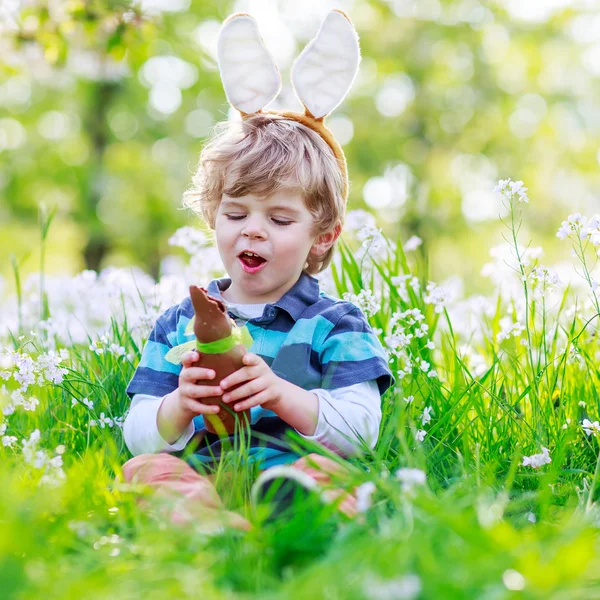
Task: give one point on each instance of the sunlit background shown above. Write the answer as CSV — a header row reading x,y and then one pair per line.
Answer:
x,y
104,108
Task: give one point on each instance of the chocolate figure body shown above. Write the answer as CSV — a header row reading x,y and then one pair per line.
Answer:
x,y
211,324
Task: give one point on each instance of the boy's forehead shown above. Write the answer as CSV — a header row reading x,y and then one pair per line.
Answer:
x,y
291,200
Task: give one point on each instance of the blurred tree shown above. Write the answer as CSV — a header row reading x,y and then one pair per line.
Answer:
x,y
105,105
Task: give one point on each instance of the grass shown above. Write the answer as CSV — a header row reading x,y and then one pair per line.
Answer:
x,y
521,378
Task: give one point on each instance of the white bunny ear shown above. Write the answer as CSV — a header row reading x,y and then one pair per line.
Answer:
x,y
248,72
326,68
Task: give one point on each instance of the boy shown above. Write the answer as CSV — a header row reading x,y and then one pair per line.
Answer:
x,y
273,186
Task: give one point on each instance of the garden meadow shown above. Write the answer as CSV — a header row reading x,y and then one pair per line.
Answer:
x,y
483,290
484,482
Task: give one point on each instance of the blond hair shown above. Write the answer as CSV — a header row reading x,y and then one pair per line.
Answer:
x,y
261,155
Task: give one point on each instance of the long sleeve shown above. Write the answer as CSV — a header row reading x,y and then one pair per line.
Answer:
x,y
349,412
140,428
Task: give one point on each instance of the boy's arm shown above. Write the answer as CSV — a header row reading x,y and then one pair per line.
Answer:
x,y
141,432
354,376
338,419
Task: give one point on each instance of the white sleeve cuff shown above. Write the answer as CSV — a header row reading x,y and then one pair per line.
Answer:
x,y
140,428
347,414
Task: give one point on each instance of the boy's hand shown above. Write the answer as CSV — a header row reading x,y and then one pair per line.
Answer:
x,y
189,392
263,387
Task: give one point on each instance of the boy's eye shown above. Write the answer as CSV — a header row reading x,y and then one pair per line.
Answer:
x,y
277,221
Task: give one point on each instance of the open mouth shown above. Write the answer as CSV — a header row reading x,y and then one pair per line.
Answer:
x,y
251,260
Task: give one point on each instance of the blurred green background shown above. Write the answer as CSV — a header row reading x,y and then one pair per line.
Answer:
x,y
104,106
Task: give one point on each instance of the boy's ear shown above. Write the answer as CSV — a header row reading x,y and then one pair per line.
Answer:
x,y
325,241
249,74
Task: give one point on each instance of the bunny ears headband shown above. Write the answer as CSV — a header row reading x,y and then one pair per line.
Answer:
x,y
321,75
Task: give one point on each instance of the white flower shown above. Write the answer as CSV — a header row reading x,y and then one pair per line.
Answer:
x,y
424,366
363,496
590,427
31,404
407,587
357,219
430,345
85,401
566,425
2,428
367,301
105,421
410,478
8,441
537,460
420,435
574,224
426,416
432,373
438,296
512,188
117,350
412,243
409,399
192,240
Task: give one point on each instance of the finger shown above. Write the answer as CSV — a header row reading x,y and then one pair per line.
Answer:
x,y
201,391
250,358
236,377
189,358
250,402
200,408
196,373
249,389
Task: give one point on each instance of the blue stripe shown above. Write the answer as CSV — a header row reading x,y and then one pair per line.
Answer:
x,y
305,331
352,346
153,357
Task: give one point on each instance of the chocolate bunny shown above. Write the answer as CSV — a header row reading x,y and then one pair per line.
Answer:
x,y
221,345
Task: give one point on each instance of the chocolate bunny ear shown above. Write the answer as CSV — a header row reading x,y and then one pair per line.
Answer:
x,y
248,72
326,68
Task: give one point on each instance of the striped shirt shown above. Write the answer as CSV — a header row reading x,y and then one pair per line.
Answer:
x,y
307,337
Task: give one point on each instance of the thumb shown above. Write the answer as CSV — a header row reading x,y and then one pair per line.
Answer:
x,y
189,358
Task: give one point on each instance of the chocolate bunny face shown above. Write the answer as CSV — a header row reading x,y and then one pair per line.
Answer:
x,y
321,75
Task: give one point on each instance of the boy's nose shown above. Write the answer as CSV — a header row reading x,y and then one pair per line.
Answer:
x,y
253,229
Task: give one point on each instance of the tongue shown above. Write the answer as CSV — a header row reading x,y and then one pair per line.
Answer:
x,y
252,261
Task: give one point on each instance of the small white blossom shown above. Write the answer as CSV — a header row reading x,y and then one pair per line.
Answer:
x,y
438,296
8,441
566,425
367,301
590,427
512,188
412,243
409,399
410,478
31,404
426,416
192,240
574,224
420,435
537,460
363,496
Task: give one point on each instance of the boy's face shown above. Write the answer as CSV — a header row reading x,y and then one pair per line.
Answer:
x,y
279,230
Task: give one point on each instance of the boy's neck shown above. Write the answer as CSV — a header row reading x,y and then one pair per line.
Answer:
x,y
226,295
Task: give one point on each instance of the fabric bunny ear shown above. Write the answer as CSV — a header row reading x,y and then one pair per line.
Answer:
x,y
248,72
326,68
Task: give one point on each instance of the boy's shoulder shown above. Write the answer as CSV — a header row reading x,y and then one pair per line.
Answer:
x,y
335,308
172,317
